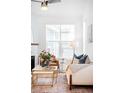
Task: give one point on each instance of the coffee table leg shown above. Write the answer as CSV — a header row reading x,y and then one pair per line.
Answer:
x,y
53,78
33,79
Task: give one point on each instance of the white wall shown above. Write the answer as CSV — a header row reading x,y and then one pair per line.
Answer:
x,y
88,20
35,52
35,38
39,30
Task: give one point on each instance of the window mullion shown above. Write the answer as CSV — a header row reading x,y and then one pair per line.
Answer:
x,y
60,44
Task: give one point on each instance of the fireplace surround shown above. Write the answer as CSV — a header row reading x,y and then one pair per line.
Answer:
x,y
32,62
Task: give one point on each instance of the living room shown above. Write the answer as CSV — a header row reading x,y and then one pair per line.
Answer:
x,y
65,30
108,47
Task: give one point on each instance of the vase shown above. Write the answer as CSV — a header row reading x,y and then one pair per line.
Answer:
x,y
45,63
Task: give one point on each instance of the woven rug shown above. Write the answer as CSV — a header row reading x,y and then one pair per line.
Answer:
x,y
60,87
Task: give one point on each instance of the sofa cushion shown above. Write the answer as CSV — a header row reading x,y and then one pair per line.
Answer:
x,y
76,61
76,67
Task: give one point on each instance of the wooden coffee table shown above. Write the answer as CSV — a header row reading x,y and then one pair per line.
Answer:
x,y
40,72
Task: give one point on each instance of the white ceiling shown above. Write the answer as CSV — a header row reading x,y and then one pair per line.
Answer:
x,y
65,7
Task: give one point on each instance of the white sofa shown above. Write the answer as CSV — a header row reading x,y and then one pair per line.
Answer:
x,y
80,74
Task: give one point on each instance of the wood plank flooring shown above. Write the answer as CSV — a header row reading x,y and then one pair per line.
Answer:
x,y
62,87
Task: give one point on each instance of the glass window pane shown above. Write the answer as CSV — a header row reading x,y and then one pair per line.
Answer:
x,y
54,48
67,32
53,32
58,39
67,51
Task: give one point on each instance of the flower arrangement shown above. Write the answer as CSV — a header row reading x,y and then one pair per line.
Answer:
x,y
46,57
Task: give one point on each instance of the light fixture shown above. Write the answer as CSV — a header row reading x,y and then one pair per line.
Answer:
x,y
44,5
73,45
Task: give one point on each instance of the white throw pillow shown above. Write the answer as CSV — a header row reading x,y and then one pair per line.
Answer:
x,y
87,60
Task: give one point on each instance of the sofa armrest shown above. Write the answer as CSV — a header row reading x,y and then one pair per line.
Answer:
x,y
81,74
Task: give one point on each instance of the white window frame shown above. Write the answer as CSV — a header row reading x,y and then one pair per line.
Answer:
x,y
60,41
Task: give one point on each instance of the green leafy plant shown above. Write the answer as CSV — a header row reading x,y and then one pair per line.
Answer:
x,y
45,55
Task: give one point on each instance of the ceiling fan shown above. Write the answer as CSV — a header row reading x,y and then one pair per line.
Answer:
x,y
44,3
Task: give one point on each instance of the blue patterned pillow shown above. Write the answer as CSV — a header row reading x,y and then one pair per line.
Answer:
x,y
78,57
83,59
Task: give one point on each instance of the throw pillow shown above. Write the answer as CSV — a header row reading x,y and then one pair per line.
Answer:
x,y
78,57
83,59
87,60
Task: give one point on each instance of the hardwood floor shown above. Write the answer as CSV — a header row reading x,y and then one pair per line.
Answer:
x,y
62,87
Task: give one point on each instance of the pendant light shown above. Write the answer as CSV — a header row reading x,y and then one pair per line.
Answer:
x,y
44,5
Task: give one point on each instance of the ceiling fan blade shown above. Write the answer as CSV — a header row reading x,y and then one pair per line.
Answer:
x,y
49,1
36,1
54,1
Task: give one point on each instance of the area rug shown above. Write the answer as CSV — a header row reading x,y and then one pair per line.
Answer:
x,y
60,87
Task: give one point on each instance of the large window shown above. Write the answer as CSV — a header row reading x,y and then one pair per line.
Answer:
x,y
59,38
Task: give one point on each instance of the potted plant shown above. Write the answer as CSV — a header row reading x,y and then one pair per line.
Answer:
x,y
45,58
